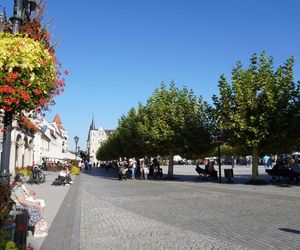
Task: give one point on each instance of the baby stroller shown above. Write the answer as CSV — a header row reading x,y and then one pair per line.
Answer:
x,y
60,180
37,175
123,173
158,173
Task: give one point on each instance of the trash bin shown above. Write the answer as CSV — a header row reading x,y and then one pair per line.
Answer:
x,y
228,173
21,229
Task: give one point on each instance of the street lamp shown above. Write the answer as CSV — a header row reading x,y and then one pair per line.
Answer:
x,y
76,139
1,22
22,11
88,152
219,143
78,151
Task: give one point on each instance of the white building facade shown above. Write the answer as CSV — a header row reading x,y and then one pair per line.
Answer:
x,y
52,141
32,142
95,139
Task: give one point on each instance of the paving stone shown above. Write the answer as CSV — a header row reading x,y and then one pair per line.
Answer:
x,y
138,214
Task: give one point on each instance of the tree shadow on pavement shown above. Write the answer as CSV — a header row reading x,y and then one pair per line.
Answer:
x,y
112,174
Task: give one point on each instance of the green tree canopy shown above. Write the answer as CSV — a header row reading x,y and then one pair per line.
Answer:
x,y
172,122
257,110
178,123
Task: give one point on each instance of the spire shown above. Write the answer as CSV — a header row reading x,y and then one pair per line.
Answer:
x,y
93,127
58,122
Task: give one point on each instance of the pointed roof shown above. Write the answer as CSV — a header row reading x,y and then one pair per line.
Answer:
x,y
58,122
93,126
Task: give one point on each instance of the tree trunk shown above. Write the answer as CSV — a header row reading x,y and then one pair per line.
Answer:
x,y
255,163
171,166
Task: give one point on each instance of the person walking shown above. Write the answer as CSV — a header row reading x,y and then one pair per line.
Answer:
x,y
266,161
233,162
86,165
106,165
133,168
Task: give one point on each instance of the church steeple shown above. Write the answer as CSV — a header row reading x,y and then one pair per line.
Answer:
x,y
93,127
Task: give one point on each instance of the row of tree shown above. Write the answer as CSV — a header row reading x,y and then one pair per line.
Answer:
x,y
257,112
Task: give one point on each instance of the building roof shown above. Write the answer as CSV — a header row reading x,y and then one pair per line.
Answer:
x,y
109,131
58,121
93,126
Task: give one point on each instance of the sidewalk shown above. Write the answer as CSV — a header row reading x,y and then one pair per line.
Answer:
x,y
54,197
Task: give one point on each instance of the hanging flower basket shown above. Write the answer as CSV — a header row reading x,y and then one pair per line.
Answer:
x,y
29,77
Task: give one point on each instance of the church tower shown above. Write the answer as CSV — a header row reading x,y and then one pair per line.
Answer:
x,y
95,139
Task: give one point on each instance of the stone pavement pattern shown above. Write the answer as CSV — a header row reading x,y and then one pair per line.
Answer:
x,y
54,196
136,214
100,212
105,226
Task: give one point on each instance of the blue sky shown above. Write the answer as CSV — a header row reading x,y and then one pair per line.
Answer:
x,y
118,52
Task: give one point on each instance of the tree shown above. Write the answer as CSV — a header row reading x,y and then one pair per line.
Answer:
x,y
111,149
177,123
132,134
130,138
172,122
258,108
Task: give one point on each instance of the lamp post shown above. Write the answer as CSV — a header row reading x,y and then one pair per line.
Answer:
x,y
219,143
1,22
78,151
88,153
22,11
219,156
76,139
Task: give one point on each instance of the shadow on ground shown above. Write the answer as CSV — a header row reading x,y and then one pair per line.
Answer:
x,y
289,230
112,174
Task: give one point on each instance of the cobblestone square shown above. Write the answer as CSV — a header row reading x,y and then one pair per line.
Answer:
x,y
161,214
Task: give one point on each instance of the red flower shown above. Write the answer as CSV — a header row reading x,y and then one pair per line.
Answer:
x,y
25,82
48,36
42,102
9,101
6,109
60,83
11,77
8,89
24,94
38,91
51,52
